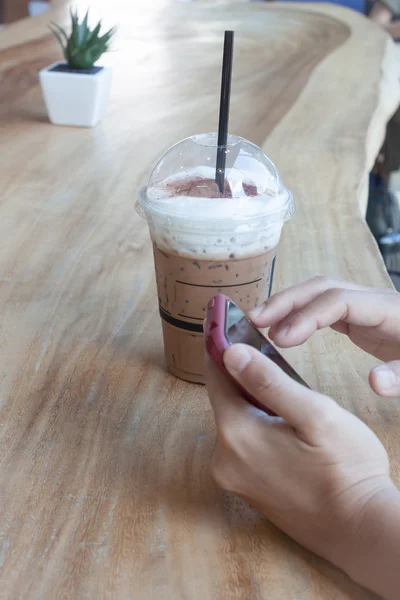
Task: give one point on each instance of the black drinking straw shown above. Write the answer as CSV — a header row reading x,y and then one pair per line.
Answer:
x,y
224,110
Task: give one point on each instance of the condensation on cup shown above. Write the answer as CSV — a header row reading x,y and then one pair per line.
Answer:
x,y
206,242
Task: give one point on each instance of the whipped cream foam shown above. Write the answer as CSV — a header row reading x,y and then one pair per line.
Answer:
x,y
187,214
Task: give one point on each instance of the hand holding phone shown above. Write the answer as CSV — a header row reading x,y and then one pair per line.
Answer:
x,y
226,325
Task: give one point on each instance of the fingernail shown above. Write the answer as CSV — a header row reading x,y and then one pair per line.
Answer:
x,y
256,312
386,377
237,358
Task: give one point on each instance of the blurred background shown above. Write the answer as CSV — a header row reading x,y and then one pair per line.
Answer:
x,y
383,215
13,10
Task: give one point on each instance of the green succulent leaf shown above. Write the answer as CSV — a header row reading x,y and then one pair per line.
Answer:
x,y
83,47
95,33
81,34
74,18
85,21
107,36
60,30
58,37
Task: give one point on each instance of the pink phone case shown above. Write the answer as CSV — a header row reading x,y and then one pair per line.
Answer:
x,y
217,343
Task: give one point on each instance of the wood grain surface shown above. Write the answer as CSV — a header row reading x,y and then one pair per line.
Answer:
x,y
12,10
105,489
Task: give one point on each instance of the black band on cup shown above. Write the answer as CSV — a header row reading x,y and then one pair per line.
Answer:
x,y
271,276
193,327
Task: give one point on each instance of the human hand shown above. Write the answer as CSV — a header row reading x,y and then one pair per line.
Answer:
x,y
369,317
313,471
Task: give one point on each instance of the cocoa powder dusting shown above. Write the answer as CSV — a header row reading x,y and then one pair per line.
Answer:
x,y
205,188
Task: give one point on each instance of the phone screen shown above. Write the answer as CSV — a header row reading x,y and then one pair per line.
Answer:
x,y
239,329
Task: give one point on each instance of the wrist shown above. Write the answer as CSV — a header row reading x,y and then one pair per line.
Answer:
x,y
375,553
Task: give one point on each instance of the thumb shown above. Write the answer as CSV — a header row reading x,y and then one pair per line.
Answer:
x,y
301,407
385,379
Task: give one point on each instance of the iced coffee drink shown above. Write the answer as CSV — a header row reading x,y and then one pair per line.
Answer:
x,y
206,241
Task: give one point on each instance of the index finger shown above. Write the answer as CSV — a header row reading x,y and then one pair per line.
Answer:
x,y
360,308
295,298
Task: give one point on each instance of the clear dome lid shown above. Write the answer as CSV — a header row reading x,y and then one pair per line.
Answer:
x,y
187,171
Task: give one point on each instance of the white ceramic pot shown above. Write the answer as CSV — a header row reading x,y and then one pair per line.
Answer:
x,y
77,99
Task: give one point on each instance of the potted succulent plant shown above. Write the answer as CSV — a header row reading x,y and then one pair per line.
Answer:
x,y
76,92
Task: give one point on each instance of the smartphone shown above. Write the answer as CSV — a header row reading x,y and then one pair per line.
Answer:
x,y
226,325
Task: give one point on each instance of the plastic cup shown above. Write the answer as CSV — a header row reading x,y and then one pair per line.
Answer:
x,y
206,242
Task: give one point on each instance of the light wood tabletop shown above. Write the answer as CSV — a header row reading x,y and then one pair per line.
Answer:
x,y
105,487
12,10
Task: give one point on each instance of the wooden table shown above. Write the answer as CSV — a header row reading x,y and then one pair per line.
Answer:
x,y
105,490
12,10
